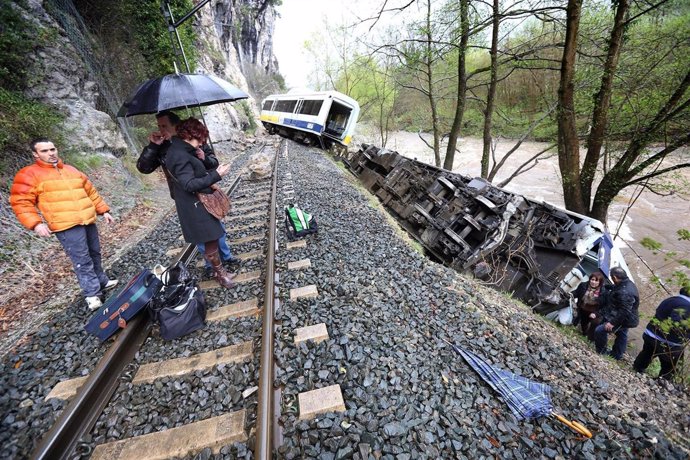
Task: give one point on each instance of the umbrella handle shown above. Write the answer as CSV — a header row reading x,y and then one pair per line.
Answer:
x,y
580,428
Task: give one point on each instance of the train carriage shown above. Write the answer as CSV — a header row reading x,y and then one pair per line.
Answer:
x,y
326,118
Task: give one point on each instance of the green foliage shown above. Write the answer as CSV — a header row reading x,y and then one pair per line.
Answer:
x,y
678,277
683,234
22,120
150,35
651,244
243,107
82,162
16,42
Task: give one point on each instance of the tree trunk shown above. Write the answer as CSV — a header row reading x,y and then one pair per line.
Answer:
x,y
568,143
602,102
491,94
430,84
462,87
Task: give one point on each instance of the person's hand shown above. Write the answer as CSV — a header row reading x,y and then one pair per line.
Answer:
x,y
608,327
200,154
592,315
42,230
223,169
157,137
108,218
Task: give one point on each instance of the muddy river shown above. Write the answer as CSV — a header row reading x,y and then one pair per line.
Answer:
x,y
652,216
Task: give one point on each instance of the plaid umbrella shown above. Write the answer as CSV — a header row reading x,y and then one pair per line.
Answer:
x,y
526,399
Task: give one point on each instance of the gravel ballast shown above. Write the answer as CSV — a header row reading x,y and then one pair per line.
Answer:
x,y
389,312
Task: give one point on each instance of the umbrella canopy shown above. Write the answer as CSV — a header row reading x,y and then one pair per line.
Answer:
x,y
526,399
178,91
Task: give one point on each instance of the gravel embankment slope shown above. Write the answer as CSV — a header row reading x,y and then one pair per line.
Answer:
x,y
407,393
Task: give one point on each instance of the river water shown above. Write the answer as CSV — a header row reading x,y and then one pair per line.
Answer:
x,y
653,216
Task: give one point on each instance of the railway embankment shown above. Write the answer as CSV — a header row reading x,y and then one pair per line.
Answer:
x,y
389,313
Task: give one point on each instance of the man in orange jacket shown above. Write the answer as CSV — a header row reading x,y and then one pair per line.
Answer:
x,y
50,197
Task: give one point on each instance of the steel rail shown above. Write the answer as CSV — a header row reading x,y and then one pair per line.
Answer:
x,y
81,414
263,449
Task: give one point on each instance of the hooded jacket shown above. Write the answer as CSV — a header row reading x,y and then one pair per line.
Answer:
x,y
63,194
622,305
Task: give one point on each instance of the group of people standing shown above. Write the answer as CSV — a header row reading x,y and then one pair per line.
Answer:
x,y
605,308
52,198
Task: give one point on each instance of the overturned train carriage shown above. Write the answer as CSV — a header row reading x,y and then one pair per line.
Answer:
x,y
532,249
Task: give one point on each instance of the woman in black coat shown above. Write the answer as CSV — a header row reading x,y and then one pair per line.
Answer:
x,y
589,297
189,178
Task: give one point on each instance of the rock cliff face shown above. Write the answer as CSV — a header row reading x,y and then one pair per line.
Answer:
x,y
235,42
61,79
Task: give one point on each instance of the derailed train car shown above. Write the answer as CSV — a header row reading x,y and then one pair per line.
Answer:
x,y
534,250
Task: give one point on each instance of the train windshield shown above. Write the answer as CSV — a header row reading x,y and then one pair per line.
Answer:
x,y
338,116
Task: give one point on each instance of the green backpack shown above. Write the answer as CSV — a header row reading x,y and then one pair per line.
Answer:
x,y
298,223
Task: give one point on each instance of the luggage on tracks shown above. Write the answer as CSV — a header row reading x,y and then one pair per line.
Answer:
x,y
124,305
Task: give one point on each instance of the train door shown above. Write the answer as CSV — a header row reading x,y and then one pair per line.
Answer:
x,y
337,119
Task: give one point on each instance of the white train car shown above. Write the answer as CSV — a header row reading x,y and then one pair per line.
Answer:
x,y
327,118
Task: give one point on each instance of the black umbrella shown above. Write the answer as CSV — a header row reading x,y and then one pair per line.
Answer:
x,y
178,91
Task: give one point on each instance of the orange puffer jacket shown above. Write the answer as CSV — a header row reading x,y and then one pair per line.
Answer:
x,y
63,194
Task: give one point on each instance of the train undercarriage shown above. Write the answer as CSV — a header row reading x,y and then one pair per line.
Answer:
x,y
533,250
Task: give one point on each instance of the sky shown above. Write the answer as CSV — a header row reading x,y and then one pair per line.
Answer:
x,y
298,20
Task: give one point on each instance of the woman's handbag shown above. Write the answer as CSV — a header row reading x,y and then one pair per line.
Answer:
x,y
216,203
179,307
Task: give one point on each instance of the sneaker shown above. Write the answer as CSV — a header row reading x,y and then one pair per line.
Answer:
x,y
94,303
110,284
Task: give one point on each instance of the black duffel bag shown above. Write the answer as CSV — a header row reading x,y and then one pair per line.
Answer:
x,y
179,308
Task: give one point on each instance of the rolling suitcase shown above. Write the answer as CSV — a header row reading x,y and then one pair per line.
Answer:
x,y
121,307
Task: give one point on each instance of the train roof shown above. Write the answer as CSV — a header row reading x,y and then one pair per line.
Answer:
x,y
314,94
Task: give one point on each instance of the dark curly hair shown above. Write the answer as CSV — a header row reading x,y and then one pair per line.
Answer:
x,y
191,128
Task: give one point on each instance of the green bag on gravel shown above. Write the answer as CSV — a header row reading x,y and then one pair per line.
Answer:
x,y
299,223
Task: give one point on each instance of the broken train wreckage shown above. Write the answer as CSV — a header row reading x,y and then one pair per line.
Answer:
x,y
534,250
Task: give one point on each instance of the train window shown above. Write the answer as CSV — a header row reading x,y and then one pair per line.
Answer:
x,y
285,106
306,107
311,107
267,105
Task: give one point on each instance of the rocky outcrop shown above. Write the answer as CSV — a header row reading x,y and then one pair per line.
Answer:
x,y
60,79
235,42
237,39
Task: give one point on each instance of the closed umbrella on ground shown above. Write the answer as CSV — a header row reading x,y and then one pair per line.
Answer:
x,y
526,399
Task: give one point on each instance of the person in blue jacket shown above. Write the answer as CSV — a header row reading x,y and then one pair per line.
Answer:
x,y
666,335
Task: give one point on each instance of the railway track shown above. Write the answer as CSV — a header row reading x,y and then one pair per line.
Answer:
x,y
104,408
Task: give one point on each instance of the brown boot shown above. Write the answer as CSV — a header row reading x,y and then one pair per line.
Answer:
x,y
222,276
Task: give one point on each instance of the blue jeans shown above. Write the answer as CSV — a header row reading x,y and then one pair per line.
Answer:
x,y
223,248
84,250
601,338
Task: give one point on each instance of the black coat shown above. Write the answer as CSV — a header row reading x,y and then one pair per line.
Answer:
x,y
153,156
622,305
189,177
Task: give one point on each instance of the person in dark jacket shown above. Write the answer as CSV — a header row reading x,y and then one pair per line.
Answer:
x,y
588,296
666,335
154,153
189,177
618,315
